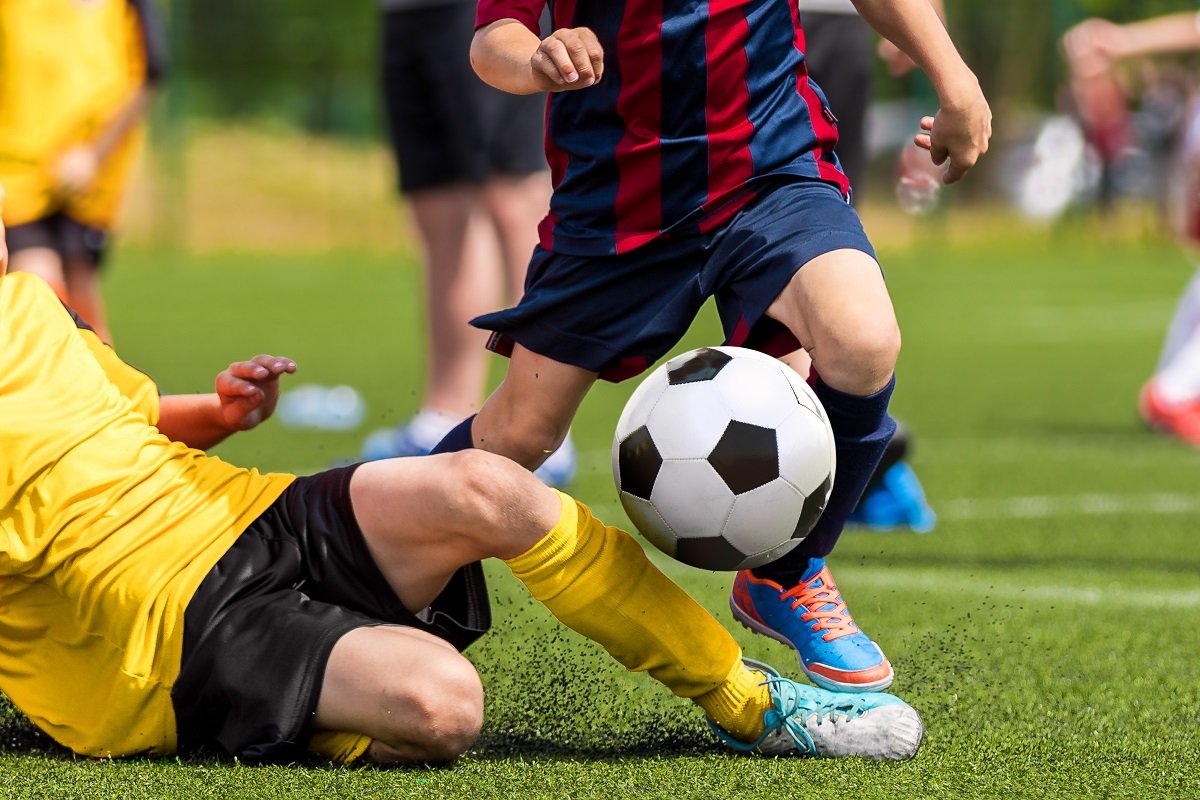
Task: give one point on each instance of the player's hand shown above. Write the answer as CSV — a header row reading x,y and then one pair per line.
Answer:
x,y
1092,46
896,60
569,58
958,135
249,390
76,169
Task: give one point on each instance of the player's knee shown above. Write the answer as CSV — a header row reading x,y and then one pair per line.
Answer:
x,y
863,355
485,485
448,714
503,508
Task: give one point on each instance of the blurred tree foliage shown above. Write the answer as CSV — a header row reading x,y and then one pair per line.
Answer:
x,y
310,62
314,62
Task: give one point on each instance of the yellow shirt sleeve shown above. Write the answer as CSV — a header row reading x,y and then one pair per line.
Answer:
x,y
132,383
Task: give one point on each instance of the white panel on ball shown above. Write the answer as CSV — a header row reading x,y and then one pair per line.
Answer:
x,y
641,403
688,420
804,392
693,497
806,454
752,389
764,517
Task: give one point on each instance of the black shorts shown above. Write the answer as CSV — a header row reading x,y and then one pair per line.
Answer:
x,y
258,632
71,239
447,126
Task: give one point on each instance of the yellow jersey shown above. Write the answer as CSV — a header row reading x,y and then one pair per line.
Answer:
x,y
66,68
106,529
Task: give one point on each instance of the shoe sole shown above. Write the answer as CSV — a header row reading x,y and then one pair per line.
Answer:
x,y
824,682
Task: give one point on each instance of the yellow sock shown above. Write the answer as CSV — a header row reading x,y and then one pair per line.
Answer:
x,y
738,704
597,581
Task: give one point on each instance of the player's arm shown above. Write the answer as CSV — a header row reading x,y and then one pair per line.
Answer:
x,y
960,130
1095,44
898,63
77,167
509,53
246,394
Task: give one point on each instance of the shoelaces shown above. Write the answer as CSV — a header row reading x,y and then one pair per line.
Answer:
x,y
819,595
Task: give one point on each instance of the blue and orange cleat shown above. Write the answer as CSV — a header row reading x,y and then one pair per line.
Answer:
x,y
813,619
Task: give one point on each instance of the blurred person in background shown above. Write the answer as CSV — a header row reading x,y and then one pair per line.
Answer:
x,y
76,79
840,54
472,168
1170,400
840,57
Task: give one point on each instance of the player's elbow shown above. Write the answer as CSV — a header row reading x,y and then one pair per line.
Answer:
x,y
482,58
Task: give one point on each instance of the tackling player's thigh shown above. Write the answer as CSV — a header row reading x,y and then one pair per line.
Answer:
x,y
422,518
408,690
837,305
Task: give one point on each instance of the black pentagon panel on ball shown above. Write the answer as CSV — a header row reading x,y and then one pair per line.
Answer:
x,y
703,366
814,504
713,552
639,462
746,457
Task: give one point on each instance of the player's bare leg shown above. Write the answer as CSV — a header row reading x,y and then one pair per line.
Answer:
x,y
409,691
838,308
84,295
43,262
529,414
515,204
461,283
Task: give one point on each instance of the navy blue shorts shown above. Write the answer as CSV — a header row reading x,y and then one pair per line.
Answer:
x,y
617,315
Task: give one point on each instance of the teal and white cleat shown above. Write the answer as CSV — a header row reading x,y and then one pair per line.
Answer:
x,y
807,721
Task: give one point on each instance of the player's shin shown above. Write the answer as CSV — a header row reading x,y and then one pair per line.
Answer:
x,y
597,581
862,429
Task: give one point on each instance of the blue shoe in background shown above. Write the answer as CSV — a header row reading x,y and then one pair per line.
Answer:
x,y
895,501
397,442
558,470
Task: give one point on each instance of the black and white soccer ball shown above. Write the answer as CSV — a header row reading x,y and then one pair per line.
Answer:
x,y
724,458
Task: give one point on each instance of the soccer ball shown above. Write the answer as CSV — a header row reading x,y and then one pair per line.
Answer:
x,y
724,458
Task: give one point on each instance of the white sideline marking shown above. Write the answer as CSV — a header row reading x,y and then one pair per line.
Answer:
x,y
1047,506
1093,504
984,586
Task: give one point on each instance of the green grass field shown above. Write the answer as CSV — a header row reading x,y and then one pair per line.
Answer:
x,y
1048,630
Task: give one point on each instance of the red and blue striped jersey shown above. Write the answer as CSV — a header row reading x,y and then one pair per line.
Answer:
x,y
701,101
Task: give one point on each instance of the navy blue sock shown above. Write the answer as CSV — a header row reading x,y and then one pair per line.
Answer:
x,y
457,439
861,432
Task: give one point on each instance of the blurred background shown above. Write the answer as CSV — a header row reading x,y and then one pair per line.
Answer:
x,y
273,108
